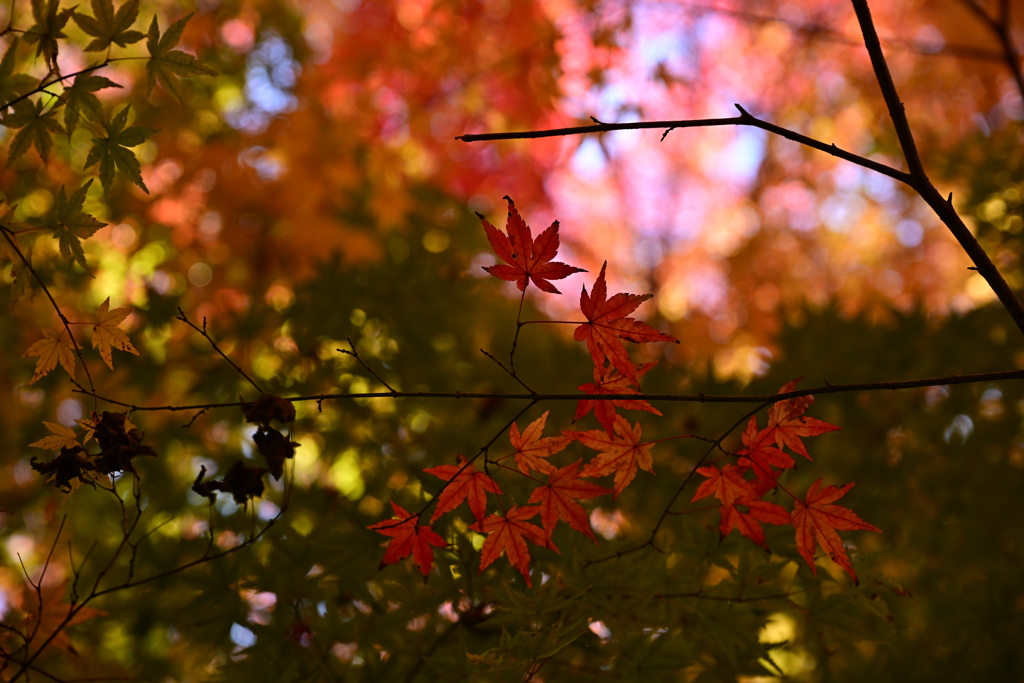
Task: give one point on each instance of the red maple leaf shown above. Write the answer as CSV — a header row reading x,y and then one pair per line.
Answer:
x,y
785,418
608,325
465,484
621,453
558,499
816,520
527,259
509,534
408,539
531,450
760,456
729,486
611,381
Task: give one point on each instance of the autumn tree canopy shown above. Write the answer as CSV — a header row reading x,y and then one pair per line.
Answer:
x,y
537,340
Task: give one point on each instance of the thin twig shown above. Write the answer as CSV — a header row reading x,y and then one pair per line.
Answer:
x,y
202,331
53,302
511,373
1000,25
827,388
355,354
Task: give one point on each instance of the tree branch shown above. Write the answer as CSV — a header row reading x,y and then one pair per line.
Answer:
x,y
744,119
943,207
827,388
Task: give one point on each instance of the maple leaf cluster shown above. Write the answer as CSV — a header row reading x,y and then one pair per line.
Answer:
x,y
621,451
740,488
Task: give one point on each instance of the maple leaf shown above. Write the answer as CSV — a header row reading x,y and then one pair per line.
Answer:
x,y
165,64
70,225
61,437
527,259
761,457
531,450
48,29
108,26
79,100
509,534
54,347
105,333
611,381
729,487
607,325
12,85
112,151
621,453
816,520
557,499
785,418
407,538
466,484
21,278
748,522
36,127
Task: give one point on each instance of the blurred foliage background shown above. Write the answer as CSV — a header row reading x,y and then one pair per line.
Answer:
x,y
313,191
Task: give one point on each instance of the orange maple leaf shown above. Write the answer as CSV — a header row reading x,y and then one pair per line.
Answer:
x,y
621,453
466,484
105,333
608,325
816,520
60,437
611,381
408,538
509,534
761,457
785,418
54,347
558,499
531,450
527,259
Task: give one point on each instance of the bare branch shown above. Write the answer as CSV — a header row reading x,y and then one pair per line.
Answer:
x,y
202,331
744,119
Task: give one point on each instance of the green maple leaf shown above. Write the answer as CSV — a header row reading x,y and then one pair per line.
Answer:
x,y
12,85
48,28
165,64
108,26
112,151
37,127
80,101
70,225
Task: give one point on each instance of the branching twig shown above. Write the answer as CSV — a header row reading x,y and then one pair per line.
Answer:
x,y
511,373
355,354
744,119
202,331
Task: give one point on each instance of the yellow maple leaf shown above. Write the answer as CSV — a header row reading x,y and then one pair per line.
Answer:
x,y
53,347
105,333
62,437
